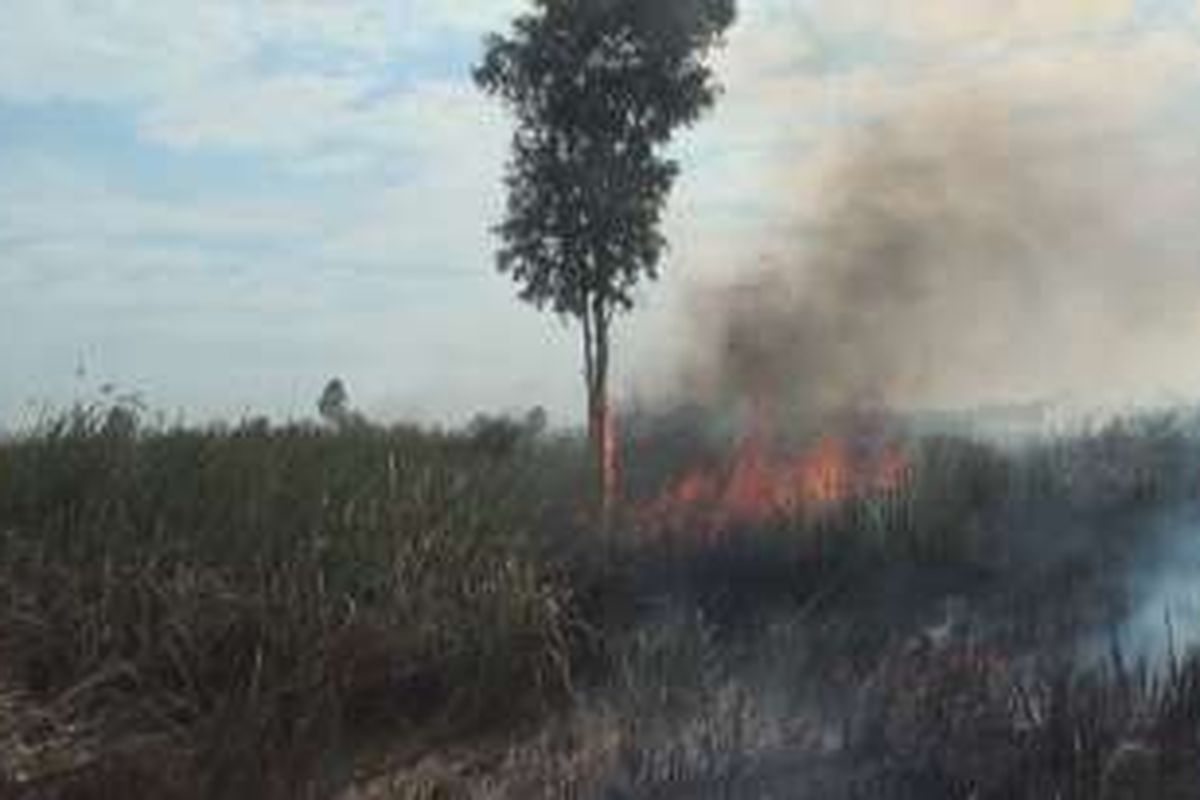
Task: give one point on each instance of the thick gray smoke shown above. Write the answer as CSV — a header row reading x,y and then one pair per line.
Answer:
x,y
971,255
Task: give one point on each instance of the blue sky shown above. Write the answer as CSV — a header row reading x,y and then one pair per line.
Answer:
x,y
221,205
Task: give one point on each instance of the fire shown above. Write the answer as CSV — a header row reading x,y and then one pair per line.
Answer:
x,y
758,485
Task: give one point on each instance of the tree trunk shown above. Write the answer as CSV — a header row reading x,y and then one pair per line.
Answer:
x,y
601,434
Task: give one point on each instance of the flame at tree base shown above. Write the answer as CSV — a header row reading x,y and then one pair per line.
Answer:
x,y
759,487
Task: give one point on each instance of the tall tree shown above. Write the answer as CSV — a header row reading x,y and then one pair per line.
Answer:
x,y
597,89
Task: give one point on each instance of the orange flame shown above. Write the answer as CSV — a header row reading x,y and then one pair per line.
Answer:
x,y
758,486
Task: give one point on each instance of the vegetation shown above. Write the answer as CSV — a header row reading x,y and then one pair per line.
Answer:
x,y
319,611
225,608
598,88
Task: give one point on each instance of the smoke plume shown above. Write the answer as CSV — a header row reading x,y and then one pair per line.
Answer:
x,y
969,253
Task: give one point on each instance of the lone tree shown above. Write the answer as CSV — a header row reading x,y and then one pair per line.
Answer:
x,y
334,403
597,88
334,407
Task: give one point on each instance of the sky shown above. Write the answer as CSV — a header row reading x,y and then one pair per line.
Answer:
x,y
219,206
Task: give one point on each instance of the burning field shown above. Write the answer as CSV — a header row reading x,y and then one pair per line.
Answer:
x,y
873,610
883,611
762,482
836,590
817,582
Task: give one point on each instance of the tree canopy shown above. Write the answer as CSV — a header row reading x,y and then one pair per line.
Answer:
x,y
597,87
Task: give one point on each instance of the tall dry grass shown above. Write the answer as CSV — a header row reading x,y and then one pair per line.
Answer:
x,y
230,613
264,611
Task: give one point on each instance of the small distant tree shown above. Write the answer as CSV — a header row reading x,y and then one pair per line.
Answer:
x,y
334,403
597,88
334,407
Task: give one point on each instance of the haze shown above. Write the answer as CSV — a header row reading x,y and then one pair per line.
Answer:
x,y
220,206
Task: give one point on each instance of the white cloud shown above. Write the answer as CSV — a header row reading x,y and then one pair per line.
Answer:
x,y
472,16
120,51
117,50
266,74
958,21
47,202
285,114
305,115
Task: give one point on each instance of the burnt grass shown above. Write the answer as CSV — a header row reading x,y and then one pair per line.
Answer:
x,y
266,611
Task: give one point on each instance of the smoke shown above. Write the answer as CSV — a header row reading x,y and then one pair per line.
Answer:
x,y
968,253
1164,590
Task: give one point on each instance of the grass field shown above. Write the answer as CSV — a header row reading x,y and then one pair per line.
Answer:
x,y
294,611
